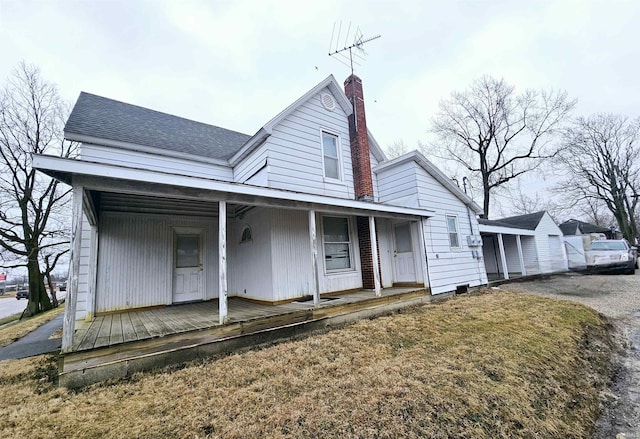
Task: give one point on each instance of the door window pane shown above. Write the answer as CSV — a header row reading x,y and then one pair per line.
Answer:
x,y
187,251
403,238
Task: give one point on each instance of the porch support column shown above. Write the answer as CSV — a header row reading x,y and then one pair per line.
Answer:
x,y
313,240
222,261
505,269
69,321
523,269
374,256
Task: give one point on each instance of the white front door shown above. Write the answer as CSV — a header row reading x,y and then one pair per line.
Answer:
x,y
187,265
403,255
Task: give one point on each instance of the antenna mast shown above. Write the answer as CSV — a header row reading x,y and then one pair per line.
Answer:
x,y
358,41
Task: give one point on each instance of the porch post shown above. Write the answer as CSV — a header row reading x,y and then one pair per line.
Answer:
x,y
523,269
222,261
374,256
72,287
315,287
505,269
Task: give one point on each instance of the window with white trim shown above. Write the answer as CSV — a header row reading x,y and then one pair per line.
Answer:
x,y
337,243
452,229
330,155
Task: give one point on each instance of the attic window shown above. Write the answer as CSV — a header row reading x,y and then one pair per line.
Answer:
x,y
327,101
246,235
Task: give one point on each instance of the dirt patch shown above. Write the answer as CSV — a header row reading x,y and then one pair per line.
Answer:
x,y
618,297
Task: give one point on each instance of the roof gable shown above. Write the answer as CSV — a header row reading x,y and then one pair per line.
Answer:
x,y
114,123
529,221
433,170
574,227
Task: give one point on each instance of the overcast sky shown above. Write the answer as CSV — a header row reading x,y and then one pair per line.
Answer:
x,y
236,64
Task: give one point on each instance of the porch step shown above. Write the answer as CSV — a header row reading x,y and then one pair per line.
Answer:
x,y
78,369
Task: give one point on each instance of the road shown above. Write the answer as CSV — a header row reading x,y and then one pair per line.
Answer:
x,y
9,305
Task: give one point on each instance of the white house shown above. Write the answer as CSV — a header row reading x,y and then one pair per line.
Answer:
x,y
522,245
169,211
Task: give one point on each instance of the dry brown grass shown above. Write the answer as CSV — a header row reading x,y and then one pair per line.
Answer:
x,y
14,331
483,366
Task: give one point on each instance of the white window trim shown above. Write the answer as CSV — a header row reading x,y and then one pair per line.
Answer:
x,y
352,260
457,223
340,178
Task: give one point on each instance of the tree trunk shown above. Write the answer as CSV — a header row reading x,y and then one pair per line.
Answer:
x,y
486,192
38,298
52,291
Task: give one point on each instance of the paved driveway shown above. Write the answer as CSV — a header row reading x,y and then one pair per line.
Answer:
x,y
618,297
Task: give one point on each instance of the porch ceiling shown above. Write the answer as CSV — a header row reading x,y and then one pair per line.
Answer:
x,y
123,180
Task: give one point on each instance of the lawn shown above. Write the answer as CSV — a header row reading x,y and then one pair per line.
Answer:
x,y
492,365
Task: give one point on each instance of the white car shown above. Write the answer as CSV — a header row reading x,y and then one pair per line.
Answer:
x,y
612,255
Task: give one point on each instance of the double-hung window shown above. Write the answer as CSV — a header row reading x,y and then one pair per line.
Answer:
x,y
337,243
330,151
452,229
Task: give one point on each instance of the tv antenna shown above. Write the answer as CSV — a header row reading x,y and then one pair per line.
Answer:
x,y
356,52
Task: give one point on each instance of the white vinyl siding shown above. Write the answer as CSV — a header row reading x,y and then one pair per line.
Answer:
x,y
295,153
154,162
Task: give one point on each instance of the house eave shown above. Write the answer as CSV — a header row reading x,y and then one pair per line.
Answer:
x,y
141,148
484,228
70,170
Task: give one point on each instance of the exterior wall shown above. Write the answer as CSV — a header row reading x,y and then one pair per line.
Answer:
x,y
251,165
83,275
530,255
448,267
249,265
491,255
384,230
295,151
574,247
398,185
290,253
374,162
135,260
511,253
549,246
143,160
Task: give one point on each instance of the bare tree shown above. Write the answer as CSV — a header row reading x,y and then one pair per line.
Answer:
x,y
497,134
31,119
601,156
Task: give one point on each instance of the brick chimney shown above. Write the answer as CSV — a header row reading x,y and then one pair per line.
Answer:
x,y
362,180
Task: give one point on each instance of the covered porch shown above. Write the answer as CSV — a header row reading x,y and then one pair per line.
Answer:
x,y
508,253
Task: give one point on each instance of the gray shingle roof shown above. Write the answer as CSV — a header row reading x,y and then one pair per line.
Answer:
x,y
570,227
108,119
529,221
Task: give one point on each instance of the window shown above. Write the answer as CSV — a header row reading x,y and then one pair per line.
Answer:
x,y
246,235
337,243
452,229
187,251
330,156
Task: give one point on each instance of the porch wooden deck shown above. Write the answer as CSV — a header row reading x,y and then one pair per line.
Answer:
x,y
126,327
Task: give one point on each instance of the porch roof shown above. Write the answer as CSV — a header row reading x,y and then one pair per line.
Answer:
x,y
109,177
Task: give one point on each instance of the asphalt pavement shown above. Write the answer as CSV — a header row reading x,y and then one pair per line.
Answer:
x,y
37,342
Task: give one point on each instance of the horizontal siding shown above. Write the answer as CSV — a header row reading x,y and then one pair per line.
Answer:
x,y
550,253
83,273
250,164
295,151
448,267
398,183
143,160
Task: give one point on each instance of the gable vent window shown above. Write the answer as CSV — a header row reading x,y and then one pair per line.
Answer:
x,y
246,235
327,101
330,156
